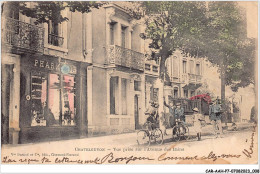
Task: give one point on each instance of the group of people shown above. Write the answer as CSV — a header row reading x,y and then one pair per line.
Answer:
x,y
177,114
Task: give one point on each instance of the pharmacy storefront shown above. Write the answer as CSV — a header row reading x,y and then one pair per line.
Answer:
x,y
53,99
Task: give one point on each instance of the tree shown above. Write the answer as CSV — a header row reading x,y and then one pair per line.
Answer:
x,y
228,47
216,30
175,25
43,11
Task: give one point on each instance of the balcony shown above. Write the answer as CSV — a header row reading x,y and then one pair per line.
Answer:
x,y
22,36
175,79
120,56
55,40
151,68
193,78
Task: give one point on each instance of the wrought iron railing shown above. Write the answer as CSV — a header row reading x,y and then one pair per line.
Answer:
x,y
55,40
198,78
175,79
193,78
22,35
125,57
151,67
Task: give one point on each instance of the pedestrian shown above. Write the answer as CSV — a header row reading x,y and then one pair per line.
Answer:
x,y
215,113
164,123
197,118
179,112
153,115
172,115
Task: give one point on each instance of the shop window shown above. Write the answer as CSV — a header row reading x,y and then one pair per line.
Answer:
x,y
39,99
68,103
53,99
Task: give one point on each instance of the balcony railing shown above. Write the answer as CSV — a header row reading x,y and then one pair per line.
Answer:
x,y
22,35
175,79
55,40
193,78
125,57
151,68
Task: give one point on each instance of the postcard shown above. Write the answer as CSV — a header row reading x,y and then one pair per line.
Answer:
x,y
141,82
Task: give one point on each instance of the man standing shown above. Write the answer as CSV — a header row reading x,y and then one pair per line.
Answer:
x,y
172,115
179,112
215,117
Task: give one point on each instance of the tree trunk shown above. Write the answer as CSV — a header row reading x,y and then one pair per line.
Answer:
x,y
162,68
223,94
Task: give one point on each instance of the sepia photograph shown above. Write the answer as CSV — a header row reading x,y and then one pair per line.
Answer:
x,y
130,82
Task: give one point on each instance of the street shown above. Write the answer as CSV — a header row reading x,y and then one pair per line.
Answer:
x,y
235,147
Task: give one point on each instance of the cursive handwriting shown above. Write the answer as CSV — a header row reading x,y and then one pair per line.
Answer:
x,y
111,159
210,156
250,151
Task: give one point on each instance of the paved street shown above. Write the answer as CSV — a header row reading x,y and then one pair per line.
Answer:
x,y
129,139
233,143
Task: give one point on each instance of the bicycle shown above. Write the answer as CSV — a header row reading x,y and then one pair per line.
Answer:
x,y
144,136
180,131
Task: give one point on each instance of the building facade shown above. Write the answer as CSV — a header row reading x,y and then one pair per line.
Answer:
x,y
185,76
117,95
45,62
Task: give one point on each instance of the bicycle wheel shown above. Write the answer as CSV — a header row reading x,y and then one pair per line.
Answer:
x,y
158,136
185,133
175,134
143,138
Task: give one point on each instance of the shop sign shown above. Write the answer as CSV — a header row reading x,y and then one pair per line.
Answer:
x,y
64,68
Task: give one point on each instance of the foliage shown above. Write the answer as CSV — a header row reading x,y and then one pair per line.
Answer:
x,y
216,30
43,11
229,47
175,25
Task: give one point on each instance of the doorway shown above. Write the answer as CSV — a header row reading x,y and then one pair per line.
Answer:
x,y
6,85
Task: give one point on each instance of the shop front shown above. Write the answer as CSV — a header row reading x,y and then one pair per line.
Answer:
x,y
53,99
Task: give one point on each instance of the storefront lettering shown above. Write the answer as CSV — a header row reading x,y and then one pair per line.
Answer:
x,y
44,64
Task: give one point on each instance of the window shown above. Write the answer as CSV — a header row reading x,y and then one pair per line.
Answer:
x,y
186,93
191,66
184,66
124,96
13,10
114,95
197,69
175,92
112,35
123,36
137,85
118,96
53,99
54,34
192,93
